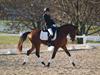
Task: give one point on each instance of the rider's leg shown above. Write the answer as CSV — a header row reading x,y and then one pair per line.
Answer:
x,y
50,35
50,47
50,31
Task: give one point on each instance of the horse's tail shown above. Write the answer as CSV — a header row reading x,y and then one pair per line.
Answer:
x,y
21,40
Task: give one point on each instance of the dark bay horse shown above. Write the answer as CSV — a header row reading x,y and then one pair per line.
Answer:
x,y
59,42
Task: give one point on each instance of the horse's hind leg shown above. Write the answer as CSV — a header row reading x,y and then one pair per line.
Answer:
x,y
27,55
67,52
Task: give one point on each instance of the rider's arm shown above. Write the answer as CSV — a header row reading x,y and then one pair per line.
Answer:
x,y
46,18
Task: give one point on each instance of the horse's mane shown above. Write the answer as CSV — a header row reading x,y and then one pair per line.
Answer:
x,y
65,25
69,25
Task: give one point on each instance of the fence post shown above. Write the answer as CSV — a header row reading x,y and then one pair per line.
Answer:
x,y
84,39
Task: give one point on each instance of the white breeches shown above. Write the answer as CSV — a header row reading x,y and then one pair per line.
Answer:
x,y
50,31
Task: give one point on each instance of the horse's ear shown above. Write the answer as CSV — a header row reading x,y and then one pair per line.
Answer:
x,y
76,27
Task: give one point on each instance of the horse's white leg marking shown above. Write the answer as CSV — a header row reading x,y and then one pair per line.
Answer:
x,y
26,58
50,60
40,59
71,60
51,48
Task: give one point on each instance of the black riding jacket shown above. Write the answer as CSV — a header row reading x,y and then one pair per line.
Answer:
x,y
48,20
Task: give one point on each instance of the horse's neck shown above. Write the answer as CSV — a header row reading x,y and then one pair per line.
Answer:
x,y
62,34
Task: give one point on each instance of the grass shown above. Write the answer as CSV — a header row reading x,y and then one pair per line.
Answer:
x,y
9,40
93,41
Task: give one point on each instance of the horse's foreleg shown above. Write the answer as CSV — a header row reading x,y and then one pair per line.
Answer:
x,y
67,52
38,55
26,60
39,58
53,56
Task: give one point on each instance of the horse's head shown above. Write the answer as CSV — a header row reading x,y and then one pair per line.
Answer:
x,y
73,32
69,29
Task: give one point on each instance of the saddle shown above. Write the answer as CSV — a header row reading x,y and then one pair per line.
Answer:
x,y
44,35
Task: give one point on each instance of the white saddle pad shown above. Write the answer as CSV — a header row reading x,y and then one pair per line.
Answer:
x,y
44,35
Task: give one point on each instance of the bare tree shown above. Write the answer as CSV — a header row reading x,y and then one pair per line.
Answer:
x,y
24,10
84,13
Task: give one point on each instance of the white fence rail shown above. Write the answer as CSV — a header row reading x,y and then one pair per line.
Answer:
x,y
9,34
90,38
85,45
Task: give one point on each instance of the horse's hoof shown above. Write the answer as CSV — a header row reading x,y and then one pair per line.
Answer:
x,y
24,63
73,64
43,63
48,65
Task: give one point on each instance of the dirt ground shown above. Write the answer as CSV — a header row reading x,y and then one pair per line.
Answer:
x,y
87,63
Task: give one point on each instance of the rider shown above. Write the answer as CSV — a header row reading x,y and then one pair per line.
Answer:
x,y
49,23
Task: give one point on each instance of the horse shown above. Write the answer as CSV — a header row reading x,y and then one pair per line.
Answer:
x,y
59,42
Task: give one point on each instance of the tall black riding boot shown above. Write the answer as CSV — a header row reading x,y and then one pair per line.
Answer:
x,y
49,41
